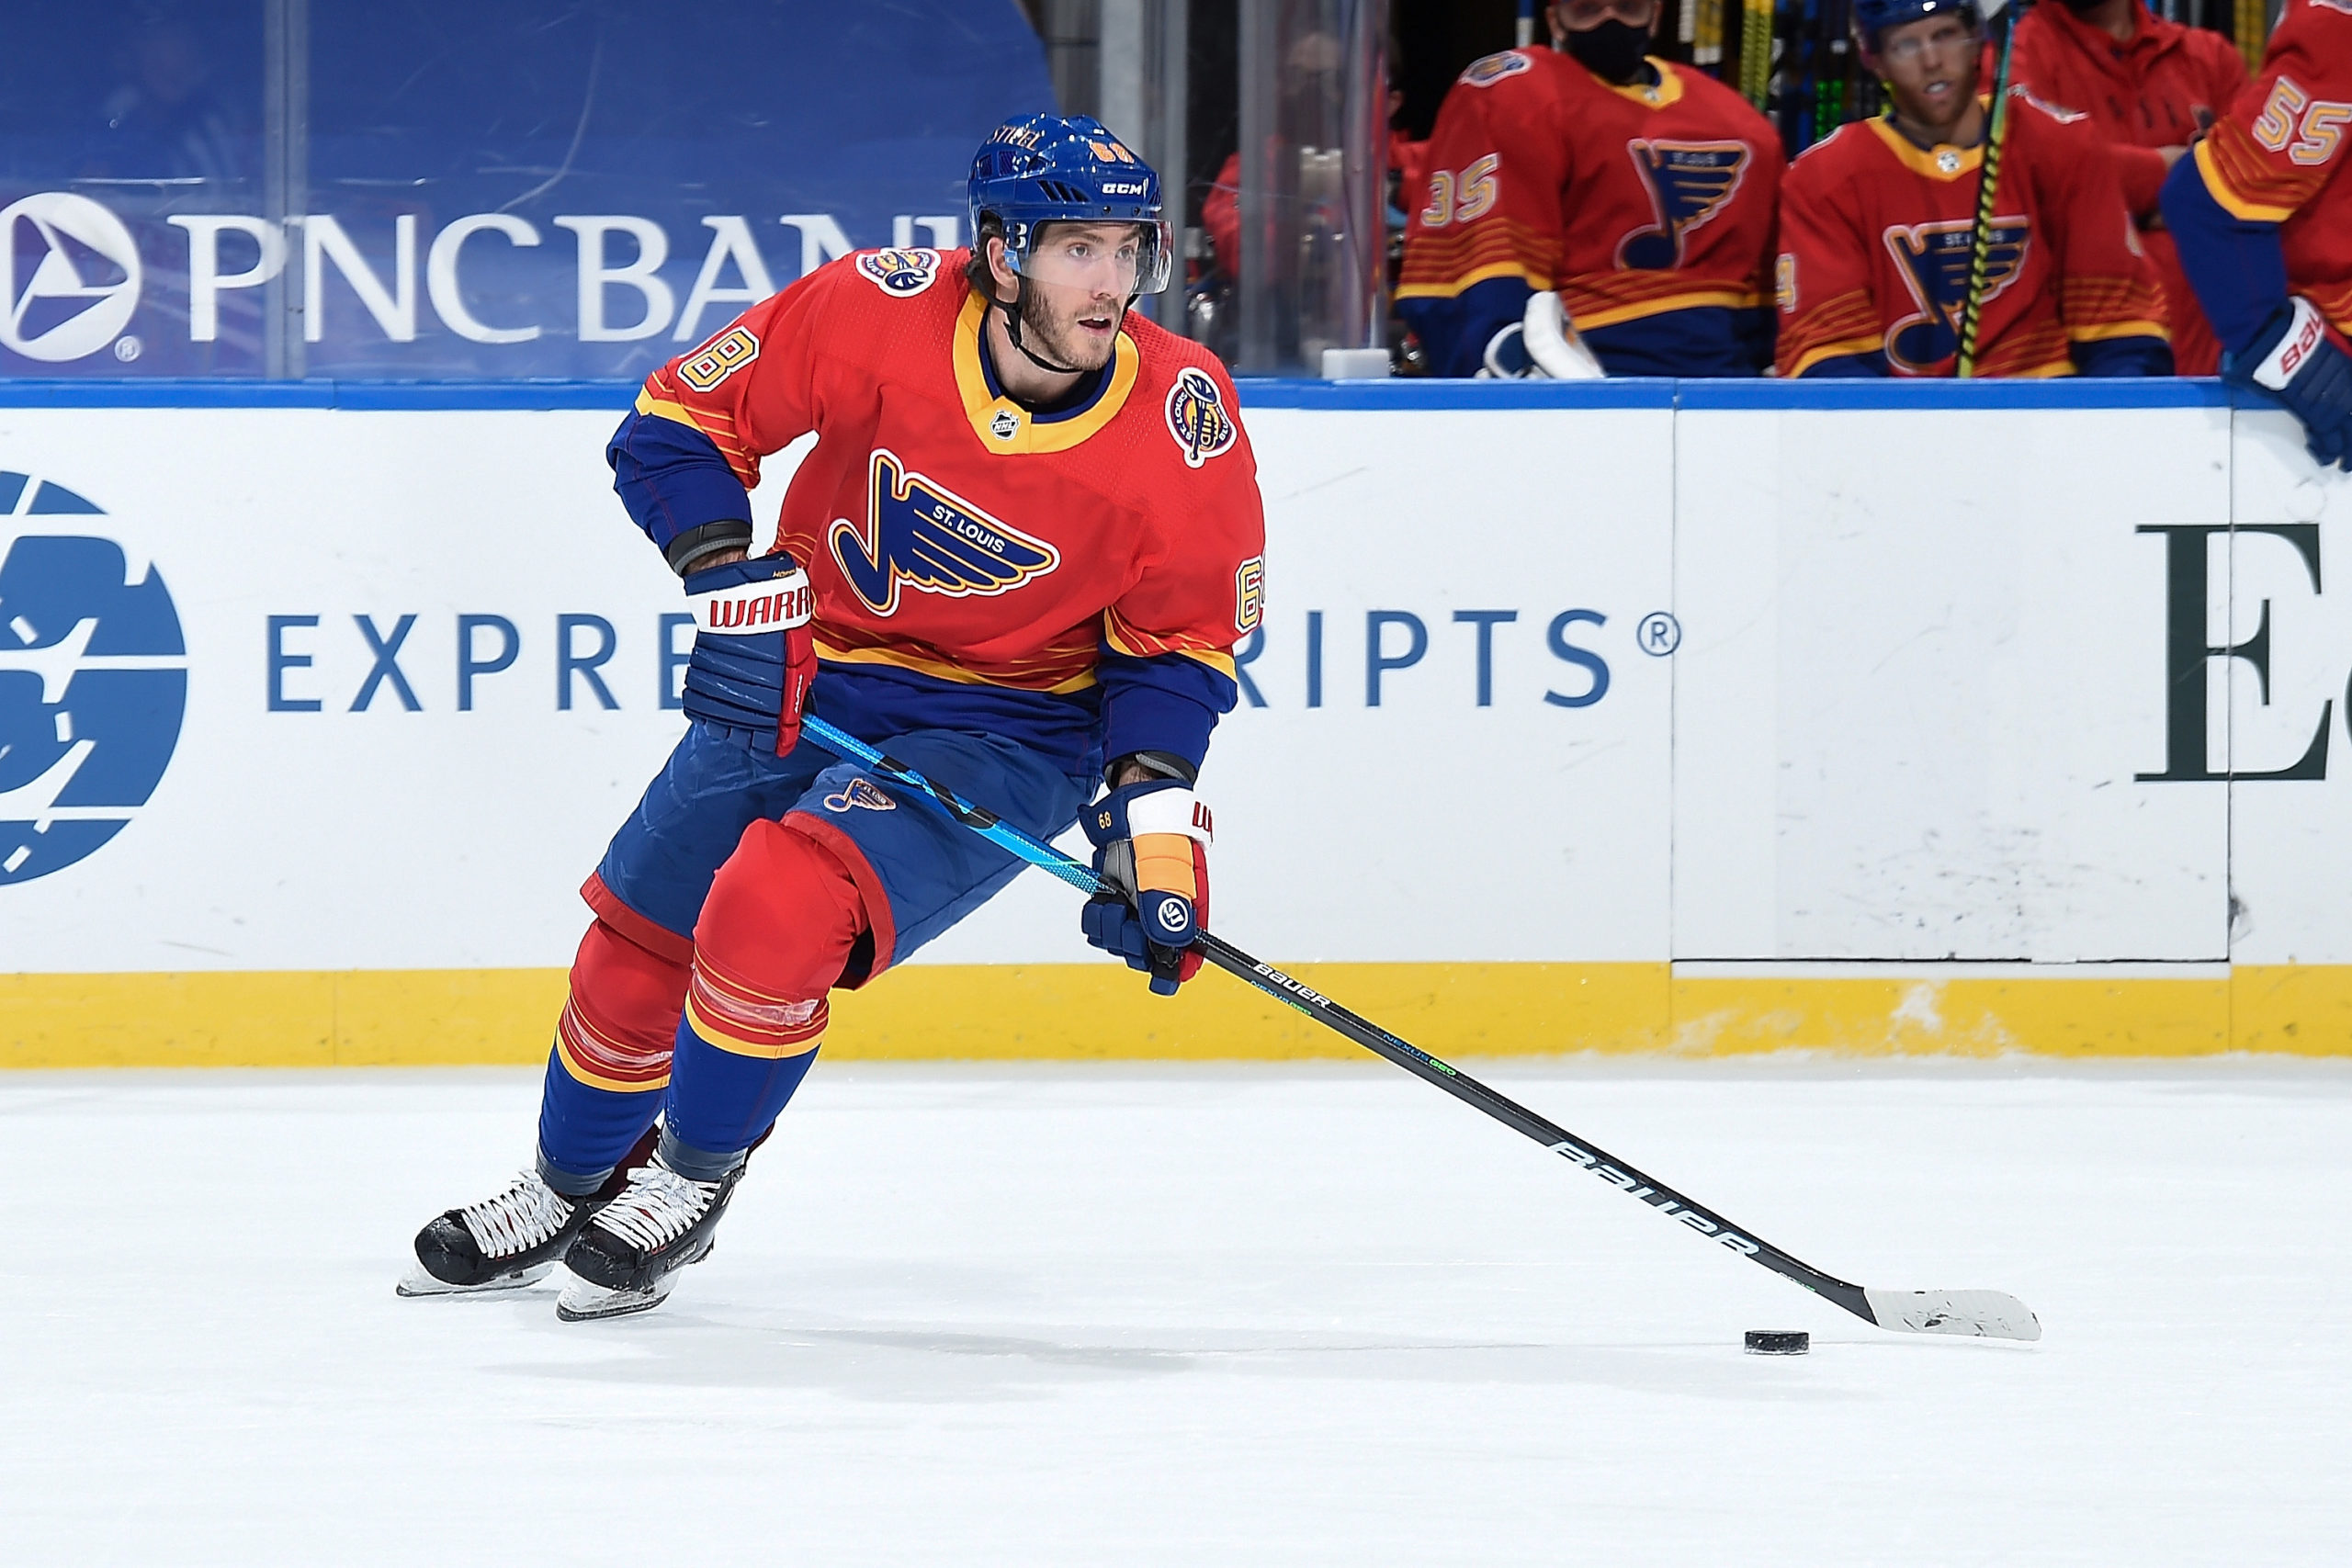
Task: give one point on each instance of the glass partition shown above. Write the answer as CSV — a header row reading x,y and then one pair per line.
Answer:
x,y
441,190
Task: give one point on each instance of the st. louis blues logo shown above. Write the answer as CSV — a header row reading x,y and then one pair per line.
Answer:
x,y
902,273
861,794
1490,69
1934,259
1689,183
926,537
1198,418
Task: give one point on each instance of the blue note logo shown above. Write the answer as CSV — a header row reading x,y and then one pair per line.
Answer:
x,y
1934,259
900,273
923,536
860,794
69,277
1198,417
92,682
1690,183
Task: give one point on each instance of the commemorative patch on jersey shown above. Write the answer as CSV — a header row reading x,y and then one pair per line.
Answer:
x,y
918,534
900,273
1490,69
715,361
1198,418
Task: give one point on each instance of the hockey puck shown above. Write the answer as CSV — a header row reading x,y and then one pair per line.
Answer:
x,y
1779,1342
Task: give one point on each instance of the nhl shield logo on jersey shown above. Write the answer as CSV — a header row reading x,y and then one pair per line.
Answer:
x,y
1689,183
922,535
1493,68
901,273
1197,416
1935,259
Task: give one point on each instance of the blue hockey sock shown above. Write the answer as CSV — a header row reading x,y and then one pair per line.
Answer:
x,y
728,1085
585,1130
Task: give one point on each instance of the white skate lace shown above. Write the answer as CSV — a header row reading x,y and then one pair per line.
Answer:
x,y
519,1218
658,1207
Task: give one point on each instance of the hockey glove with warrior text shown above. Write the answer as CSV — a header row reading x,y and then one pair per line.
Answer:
x,y
1151,843
754,657
2301,364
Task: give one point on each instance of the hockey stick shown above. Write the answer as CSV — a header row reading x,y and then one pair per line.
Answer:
x,y
1988,178
1984,1314
1756,52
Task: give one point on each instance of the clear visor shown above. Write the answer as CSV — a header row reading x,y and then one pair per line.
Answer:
x,y
1123,259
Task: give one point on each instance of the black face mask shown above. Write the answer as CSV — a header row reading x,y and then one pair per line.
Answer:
x,y
1612,52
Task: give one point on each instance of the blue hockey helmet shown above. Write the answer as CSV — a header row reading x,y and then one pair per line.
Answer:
x,y
1044,169
1873,18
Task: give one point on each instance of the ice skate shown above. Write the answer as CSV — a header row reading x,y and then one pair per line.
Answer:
x,y
625,1260
503,1243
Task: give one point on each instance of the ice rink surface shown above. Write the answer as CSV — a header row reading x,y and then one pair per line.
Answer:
x,y
1200,1315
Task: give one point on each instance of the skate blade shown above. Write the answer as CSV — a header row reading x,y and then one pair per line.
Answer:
x,y
585,1302
417,1282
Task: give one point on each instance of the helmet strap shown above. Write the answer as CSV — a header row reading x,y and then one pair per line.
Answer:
x,y
1013,328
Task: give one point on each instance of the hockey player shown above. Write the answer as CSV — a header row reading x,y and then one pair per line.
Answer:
x,y
1877,223
1027,538
2150,87
1641,191
2262,213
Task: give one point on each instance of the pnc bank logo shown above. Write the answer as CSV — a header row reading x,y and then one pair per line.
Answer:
x,y
92,681
69,277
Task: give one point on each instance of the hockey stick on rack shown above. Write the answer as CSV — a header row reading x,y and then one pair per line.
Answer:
x,y
1986,1313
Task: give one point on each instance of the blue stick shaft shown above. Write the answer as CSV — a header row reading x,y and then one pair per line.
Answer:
x,y
1004,834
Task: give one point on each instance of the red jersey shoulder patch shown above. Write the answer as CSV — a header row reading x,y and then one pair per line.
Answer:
x,y
1490,69
1198,416
900,273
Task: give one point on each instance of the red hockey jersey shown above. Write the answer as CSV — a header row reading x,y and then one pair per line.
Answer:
x,y
2277,156
1875,238
951,533
1632,201
2163,88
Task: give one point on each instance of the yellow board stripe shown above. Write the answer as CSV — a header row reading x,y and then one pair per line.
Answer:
x,y
1101,1012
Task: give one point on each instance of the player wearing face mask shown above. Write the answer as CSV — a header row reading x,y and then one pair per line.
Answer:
x,y
2150,87
1640,193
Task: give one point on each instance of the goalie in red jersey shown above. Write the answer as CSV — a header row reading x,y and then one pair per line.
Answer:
x,y
1637,192
2263,214
1026,541
1877,225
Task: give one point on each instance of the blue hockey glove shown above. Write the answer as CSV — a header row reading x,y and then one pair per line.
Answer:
x,y
753,655
2299,363
1151,843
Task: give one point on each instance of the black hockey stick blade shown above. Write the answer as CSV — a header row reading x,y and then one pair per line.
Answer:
x,y
1987,1314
